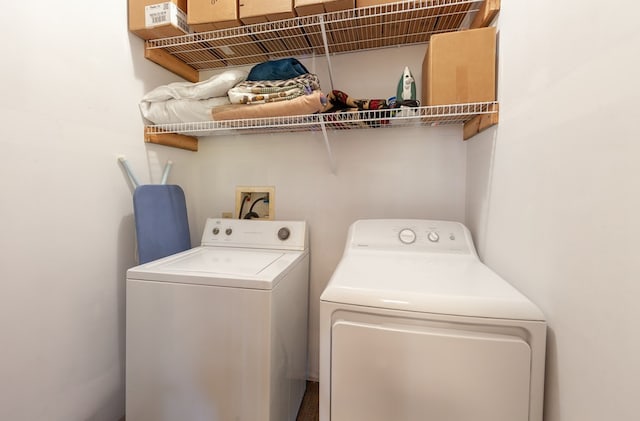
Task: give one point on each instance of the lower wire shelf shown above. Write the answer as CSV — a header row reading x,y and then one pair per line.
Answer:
x,y
474,116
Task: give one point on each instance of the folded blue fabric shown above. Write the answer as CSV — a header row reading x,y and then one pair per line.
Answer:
x,y
286,68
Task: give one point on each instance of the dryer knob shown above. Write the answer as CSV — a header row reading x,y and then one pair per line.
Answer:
x,y
407,236
216,231
433,237
228,231
284,233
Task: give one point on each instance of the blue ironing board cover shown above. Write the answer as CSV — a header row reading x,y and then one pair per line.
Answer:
x,y
162,227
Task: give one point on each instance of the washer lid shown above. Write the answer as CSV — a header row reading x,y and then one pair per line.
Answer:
x,y
238,268
442,284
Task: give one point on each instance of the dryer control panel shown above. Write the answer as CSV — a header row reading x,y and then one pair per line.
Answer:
x,y
252,233
418,235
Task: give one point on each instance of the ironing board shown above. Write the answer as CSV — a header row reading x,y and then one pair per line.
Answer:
x,y
160,212
162,227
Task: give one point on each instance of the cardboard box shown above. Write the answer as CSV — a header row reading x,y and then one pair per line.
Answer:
x,y
316,7
150,19
419,30
207,15
259,11
453,16
240,50
366,3
371,34
396,28
460,67
407,25
290,41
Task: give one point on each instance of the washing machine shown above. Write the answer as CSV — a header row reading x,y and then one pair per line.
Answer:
x,y
219,332
414,327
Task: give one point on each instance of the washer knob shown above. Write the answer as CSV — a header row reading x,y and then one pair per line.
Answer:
x,y
216,231
284,233
407,236
228,231
433,237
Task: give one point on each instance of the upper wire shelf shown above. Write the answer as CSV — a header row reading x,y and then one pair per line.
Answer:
x,y
374,27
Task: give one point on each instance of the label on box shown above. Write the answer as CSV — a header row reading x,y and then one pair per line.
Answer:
x,y
165,13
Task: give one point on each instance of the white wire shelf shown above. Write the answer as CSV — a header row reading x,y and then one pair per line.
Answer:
x,y
438,115
475,117
374,27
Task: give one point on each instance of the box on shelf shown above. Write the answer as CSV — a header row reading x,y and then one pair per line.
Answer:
x,y
207,15
315,7
371,34
366,3
259,11
151,19
460,67
243,50
284,41
409,26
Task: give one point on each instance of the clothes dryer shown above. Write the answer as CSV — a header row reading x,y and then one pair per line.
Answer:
x,y
413,326
219,332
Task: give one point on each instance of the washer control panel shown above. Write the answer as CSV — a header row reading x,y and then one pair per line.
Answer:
x,y
252,233
411,234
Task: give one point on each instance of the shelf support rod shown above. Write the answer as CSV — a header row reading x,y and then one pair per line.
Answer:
x,y
332,161
326,50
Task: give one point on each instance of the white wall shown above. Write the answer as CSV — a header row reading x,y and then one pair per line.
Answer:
x,y
71,78
397,173
555,209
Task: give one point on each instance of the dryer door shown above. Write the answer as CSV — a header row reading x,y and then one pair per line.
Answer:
x,y
384,372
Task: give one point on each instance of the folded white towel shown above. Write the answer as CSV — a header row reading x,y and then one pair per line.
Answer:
x,y
181,110
184,102
214,87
